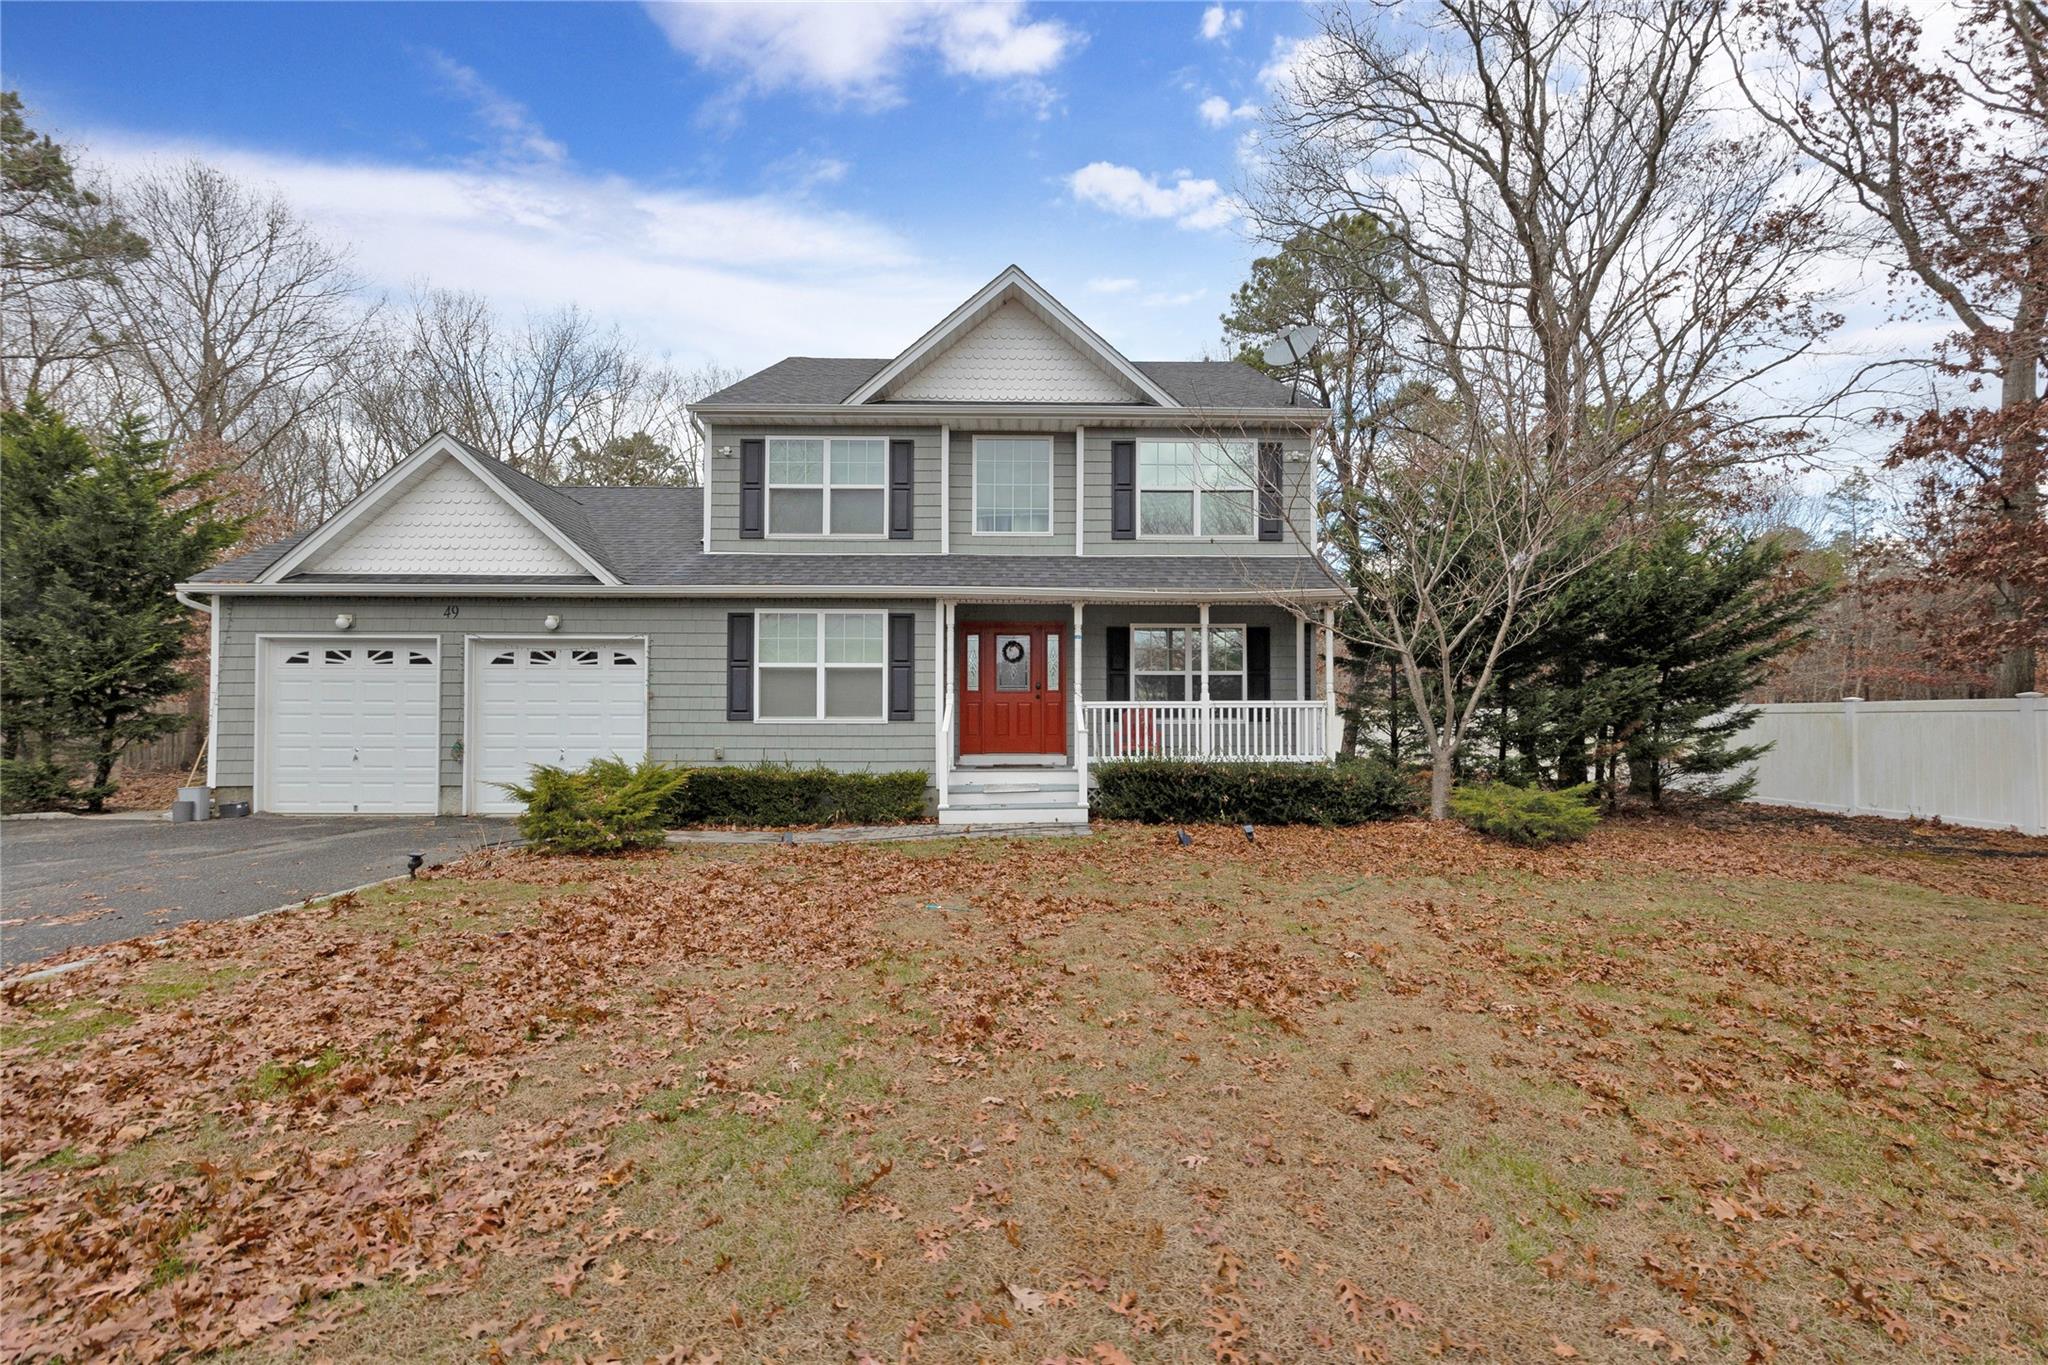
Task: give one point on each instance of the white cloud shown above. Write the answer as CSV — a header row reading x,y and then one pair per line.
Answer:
x,y
857,53
1168,299
1130,193
1219,23
1112,284
1218,112
740,279
519,136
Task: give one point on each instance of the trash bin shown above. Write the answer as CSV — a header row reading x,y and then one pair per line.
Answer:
x,y
201,799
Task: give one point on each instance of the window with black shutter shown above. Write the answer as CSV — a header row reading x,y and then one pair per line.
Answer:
x,y
902,489
1271,467
753,488
902,666
739,666
1123,492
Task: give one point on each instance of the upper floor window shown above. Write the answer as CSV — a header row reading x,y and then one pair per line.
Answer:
x,y
1012,485
827,487
1196,488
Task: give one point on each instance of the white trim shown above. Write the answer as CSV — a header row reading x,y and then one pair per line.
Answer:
x,y
824,488
1078,746
374,496
704,457
1057,415
946,490
558,641
974,488
1080,491
259,749
213,698
1335,734
820,667
1194,490
792,592
1011,280
939,698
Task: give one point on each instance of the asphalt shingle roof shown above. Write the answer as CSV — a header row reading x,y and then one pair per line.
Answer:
x,y
648,537
807,380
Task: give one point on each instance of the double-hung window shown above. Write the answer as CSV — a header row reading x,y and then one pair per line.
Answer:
x,y
821,665
1196,488
820,486
1166,663
1012,485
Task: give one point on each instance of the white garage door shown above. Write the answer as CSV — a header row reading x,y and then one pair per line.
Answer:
x,y
554,701
351,727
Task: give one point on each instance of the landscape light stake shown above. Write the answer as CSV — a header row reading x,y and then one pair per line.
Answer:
x,y
412,864
1184,838
1250,835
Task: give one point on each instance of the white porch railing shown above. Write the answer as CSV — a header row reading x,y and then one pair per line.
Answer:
x,y
1246,731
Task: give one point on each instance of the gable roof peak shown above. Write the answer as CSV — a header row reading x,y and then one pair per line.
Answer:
x,y
1011,284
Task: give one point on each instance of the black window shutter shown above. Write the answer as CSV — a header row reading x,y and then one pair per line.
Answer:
x,y
1123,499
902,665
902,486
753,487
1270,474
739,666
1258,663
1308,662
1116,661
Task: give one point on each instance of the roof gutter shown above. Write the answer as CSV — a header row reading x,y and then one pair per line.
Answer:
x,y
1105,415
688,590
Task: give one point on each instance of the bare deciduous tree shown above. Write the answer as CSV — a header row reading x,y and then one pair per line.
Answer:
x,y
1947,154
1597,283
240,320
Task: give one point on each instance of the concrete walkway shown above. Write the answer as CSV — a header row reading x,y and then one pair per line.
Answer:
x,y
873,834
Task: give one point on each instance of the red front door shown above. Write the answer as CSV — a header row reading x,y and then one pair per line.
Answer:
x,y
1013,690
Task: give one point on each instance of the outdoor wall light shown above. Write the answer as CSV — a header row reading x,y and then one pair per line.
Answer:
x,y
344,621
551,622
725,452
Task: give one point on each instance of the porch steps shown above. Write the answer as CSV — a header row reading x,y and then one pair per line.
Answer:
x,y
986,796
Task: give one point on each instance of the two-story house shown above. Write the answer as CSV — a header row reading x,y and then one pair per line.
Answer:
x,y
999,556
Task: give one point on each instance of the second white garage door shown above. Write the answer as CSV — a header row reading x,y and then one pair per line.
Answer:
x,y
553,701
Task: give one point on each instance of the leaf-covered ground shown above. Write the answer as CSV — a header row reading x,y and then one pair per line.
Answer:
x,y
1768,1089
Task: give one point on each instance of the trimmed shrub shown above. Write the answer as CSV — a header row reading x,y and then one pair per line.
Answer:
x,y
1530,816
1165,792
772,795
609,806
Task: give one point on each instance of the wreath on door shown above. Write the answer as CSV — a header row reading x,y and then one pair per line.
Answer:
x,y
1013,651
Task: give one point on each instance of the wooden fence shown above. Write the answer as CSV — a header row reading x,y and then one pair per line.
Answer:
x,y
176,749
1980,763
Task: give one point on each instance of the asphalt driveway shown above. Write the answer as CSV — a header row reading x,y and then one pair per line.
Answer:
x,y
68,883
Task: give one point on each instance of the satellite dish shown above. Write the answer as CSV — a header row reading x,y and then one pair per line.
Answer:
x,y
1293,347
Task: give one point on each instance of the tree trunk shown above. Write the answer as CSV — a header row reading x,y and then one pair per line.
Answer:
x,y
1440,781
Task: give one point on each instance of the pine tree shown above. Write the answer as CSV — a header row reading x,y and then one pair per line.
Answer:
x,y
1642,664
93,538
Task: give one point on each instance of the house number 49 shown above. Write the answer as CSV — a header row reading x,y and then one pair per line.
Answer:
x,y
451,612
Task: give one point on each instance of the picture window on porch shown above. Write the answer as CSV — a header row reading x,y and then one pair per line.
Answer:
x,y
1012,485
1196,488
830,665
827,487
1166,662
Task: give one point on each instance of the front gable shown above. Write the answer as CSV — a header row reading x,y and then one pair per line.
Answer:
x,y
1011,343
439,513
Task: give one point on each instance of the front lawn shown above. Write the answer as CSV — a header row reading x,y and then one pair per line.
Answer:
x,y
1762,1090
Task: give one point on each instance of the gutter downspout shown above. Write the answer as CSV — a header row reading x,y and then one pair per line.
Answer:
x,y
704,476
212,678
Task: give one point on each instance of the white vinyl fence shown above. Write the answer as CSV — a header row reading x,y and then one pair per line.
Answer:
x,y
1981,763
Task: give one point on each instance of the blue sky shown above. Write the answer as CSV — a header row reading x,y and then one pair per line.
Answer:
x,y
729,183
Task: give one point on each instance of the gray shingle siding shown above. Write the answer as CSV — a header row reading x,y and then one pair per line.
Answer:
x,y
686,676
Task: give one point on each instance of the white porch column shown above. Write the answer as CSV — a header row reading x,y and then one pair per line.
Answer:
x,y
1333,736
942,695
946,492
1080,499
1074,699
1202,615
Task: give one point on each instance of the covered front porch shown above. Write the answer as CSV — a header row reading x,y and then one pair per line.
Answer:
x,y
1034,693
